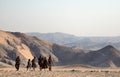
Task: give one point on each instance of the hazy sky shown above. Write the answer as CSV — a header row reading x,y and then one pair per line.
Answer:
x,y
78,17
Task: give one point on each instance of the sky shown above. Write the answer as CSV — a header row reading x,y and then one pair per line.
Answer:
x,y
77,17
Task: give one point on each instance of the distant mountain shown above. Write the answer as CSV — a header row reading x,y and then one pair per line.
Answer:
x,y
59,38
105,57
90,43
95,43
13,44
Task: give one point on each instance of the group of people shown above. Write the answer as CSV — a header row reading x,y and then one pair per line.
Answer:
x,y
43,63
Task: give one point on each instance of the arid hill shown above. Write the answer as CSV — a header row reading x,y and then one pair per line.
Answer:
x,y
13,44
105,57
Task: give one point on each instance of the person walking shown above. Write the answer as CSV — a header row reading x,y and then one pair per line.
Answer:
x,y
17,63
28,64
50,63
33,63
40,62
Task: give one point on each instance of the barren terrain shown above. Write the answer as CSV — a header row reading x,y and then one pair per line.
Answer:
x,y
64,71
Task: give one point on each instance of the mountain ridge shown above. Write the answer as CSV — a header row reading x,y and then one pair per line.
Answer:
x,y
13,44
90,43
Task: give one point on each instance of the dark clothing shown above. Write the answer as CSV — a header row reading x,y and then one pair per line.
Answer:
x,y
33,63
49,60
17,63
45,63
40,61
28,64
50,63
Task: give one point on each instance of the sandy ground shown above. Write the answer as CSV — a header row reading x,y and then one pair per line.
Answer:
x,y
61,72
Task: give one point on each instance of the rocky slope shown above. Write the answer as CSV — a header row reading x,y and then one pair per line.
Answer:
x,y
13,44
105,57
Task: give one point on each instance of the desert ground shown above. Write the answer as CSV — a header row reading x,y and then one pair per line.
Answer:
x,y
61,71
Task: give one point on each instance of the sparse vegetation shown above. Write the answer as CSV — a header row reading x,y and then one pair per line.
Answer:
x,y
61,72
